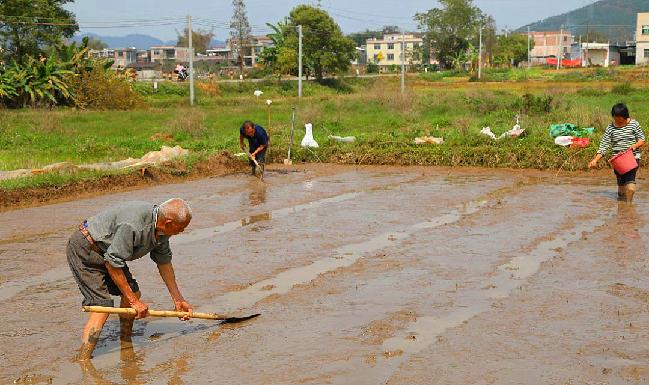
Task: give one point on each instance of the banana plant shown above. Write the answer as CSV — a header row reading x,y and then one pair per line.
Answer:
x,y
7,90
39,82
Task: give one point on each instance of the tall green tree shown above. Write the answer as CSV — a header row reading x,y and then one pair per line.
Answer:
x,y
29,28
450,28
511,49
96,43
270,56
360,38
201,39
239,31
325,48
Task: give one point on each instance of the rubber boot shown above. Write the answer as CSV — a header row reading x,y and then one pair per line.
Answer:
x,y
630,191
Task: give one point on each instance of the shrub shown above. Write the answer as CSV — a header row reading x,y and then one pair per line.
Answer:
x,y
622,89
104,90
164,88
531,104
209,88
591,91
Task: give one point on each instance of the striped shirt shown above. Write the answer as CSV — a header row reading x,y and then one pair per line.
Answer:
x,y
619,139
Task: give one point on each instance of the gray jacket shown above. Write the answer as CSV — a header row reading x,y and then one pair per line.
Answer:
x,y
127,232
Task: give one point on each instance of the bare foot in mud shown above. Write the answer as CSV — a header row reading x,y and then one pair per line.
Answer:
x,y
87,348
85,352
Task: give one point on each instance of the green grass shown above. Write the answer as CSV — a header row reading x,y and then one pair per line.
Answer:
x,y
384,122
54,179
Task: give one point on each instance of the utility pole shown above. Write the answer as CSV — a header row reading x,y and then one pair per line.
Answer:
x,y
587,43
191,60
559,48
529,54
299,62
581,53
480,56
403,63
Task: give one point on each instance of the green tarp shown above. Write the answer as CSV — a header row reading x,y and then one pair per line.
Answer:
x,y
569,129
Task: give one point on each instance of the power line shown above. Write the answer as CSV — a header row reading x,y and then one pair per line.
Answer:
x,y
368,14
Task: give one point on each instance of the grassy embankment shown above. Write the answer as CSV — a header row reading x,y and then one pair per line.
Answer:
x,y
384,121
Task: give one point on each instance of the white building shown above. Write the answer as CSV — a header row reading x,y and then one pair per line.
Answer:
x,y
642,39
387,52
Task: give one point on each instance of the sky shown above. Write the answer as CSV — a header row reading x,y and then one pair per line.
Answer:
x,y
162,18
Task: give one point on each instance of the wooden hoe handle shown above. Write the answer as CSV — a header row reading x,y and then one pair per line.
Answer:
x,y
154,313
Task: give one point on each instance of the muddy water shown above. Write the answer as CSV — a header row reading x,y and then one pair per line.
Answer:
x,y
362,275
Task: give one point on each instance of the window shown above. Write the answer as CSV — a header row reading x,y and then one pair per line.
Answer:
x,y
646,53
416,45
377,46
391,56
390,45
645,29
120,54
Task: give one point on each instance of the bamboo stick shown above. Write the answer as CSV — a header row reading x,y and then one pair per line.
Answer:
x,y
155,313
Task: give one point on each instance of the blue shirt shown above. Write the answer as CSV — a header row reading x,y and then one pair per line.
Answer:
x,y
258,139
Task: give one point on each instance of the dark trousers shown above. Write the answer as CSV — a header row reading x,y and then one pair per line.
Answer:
x,y
91,274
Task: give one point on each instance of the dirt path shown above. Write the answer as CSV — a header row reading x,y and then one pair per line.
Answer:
x,y
368,275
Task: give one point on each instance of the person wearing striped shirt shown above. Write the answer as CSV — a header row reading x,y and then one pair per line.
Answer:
x,y
621,135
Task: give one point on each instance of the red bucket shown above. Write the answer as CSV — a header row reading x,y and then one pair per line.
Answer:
x,y
624,162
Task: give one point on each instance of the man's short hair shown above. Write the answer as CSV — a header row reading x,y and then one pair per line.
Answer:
x,y
177,210
248,123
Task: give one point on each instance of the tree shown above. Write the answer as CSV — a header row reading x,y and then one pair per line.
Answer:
x,y
201,39
360,38
96,44
270,56
450,28
31,27
325,48
489,42
239,30
511,49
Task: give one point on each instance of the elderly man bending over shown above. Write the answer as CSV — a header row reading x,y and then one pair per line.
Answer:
x,y
98,251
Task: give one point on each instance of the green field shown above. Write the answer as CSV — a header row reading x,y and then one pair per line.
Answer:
x,y
384,121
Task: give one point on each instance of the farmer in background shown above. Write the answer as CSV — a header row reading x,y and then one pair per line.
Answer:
x,y
621,135
98,251
257,143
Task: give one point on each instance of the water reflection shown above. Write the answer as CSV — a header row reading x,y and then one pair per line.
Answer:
x,y
132,369
258,194
628,220
256,218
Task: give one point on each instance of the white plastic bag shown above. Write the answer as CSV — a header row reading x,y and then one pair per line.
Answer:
x,y
563,140
308,140
343,139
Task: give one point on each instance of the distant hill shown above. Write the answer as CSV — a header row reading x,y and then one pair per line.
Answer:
x,y
613,18
138,41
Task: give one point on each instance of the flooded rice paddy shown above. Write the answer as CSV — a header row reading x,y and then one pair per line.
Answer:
x,y
367,275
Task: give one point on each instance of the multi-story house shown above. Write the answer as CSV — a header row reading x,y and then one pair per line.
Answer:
x,y
124,56
159,54
105,53
387,52
551,44
251,49
642,39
